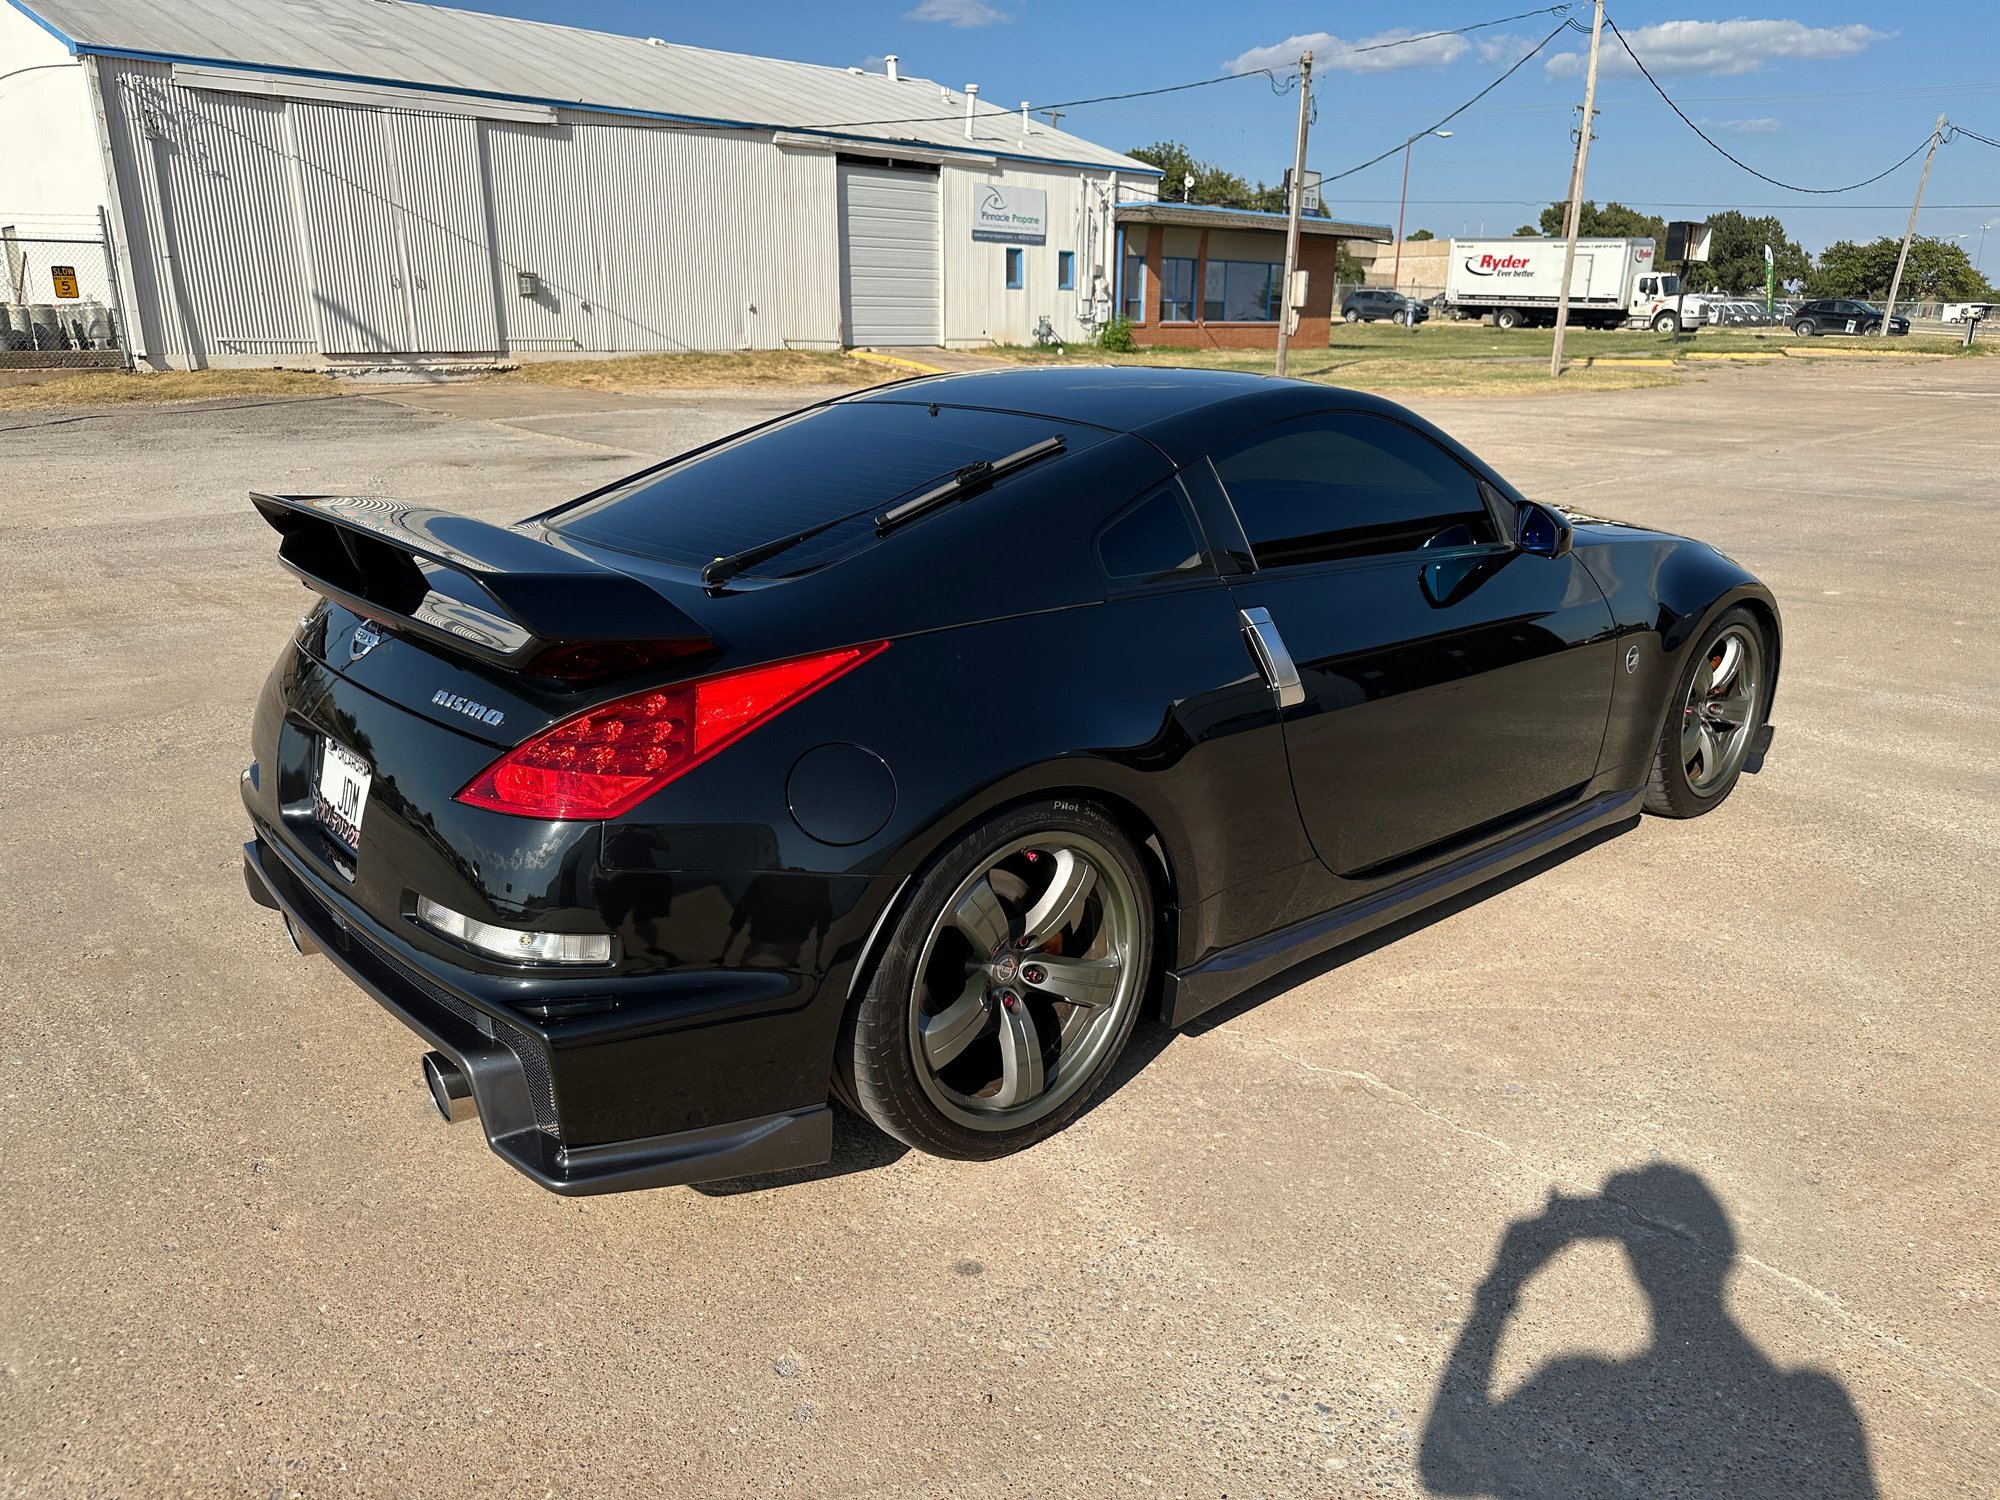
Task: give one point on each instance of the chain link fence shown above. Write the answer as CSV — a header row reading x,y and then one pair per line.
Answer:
x,y
60,306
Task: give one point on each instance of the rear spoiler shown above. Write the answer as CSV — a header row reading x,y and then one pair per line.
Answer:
x,y
475,588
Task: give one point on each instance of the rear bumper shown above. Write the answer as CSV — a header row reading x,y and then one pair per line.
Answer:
x,y
519,1070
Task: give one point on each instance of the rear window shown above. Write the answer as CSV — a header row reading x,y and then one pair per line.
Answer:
x,y
849,460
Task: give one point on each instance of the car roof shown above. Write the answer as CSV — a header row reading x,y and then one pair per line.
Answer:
x,y
1121,398
1182,412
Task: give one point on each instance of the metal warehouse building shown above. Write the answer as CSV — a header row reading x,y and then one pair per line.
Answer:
x,y
366,181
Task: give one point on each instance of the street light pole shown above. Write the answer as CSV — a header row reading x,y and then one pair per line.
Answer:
x,y
1982,246
1396,276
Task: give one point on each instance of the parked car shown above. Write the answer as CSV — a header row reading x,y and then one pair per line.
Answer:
x,y
1370,304
765,775
1843,315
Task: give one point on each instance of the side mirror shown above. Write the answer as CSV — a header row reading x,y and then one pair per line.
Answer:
x,y
1542,531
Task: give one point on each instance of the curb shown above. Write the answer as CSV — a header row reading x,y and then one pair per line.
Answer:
x,y
1735,354
890,359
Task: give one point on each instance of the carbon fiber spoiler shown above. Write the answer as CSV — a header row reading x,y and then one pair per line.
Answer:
x,y
475,588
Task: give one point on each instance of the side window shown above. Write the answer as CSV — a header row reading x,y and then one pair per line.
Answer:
x,y
1065,270
1013,268
1348,484
1149,538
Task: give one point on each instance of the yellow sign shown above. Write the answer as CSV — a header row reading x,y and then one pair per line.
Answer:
x,y
65,280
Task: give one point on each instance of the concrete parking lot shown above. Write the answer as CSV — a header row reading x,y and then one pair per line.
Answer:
x,y
1752,1056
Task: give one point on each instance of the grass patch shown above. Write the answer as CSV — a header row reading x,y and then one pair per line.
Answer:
x,y
694,372
119,388
1444,358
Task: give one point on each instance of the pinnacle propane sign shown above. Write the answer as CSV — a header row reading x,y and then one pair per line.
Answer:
x,y
1010,215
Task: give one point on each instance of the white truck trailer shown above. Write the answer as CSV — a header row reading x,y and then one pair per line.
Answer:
x,y
1615,284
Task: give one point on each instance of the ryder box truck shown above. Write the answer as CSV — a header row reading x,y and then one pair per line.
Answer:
x,y
1615,284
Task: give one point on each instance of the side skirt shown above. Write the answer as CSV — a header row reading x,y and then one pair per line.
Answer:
x,y
1223,976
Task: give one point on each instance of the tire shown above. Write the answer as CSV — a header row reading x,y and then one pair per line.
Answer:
x,y
1666,323
1507,317
1871,330
1735,656
1352,316
963,1044
1804,328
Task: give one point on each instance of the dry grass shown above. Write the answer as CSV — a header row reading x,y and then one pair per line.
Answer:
x,y
695,372
117,387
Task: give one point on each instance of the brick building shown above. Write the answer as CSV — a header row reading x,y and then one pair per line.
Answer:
x,y
1192,276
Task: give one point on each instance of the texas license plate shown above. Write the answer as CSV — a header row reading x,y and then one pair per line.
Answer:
x,y
341,794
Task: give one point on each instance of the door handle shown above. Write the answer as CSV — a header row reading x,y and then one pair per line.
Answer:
x,y
1272,658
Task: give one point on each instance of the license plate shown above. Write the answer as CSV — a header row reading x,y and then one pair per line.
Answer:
x,y
342,792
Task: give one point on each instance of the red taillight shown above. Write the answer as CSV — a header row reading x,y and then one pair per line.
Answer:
x,y
609,759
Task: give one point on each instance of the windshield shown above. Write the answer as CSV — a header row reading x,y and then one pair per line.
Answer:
x,y
854,460
1670,286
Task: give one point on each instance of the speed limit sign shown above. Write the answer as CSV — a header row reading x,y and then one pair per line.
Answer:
x,y
65,279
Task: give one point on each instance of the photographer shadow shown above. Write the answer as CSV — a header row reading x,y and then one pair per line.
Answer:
x,y
1699,1412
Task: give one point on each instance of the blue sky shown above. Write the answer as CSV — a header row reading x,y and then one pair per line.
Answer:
x,y
1813,93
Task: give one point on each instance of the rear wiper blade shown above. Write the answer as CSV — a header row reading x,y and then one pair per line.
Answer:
x,y
725,568
722,569
967,479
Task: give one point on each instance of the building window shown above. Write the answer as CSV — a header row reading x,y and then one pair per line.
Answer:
x,y
1133,305
1241,291
1065,270
1013,269
1176,289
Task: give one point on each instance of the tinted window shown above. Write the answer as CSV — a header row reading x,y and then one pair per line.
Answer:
x,y
1150,538
1349,485
850,460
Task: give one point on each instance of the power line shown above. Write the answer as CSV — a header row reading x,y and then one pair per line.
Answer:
x,y
1384,156
1984,140
1199,83
1791,187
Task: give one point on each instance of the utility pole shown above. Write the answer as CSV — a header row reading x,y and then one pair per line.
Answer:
x,y
1576,189
1896,282
1295,201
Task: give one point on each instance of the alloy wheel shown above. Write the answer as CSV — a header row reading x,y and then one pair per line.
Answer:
x,y
1026,979
1718,720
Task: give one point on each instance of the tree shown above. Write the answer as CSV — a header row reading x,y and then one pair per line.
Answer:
x,y
1736,255
1937,270
1347,267
1614,221
1216,186
1423,234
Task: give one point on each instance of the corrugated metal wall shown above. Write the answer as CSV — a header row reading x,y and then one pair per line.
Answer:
x,y
264,227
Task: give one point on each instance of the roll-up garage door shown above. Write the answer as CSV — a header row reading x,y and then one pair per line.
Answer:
x,y
889,278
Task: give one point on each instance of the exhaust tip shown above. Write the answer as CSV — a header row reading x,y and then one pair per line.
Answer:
x,y
451,1090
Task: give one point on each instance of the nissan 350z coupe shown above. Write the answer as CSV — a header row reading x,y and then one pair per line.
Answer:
x,y
907,748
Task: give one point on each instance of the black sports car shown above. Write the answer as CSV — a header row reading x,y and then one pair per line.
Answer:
x,y
908,747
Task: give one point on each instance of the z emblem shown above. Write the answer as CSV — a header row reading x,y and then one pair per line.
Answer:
x,y
366,639
1632,659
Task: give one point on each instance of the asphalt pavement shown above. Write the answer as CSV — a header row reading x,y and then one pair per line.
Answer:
x,y
1729,1081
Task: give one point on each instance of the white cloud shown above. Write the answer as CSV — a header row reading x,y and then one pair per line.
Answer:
x,y
1719,49
1331,53
1762,125
958,13
1503,47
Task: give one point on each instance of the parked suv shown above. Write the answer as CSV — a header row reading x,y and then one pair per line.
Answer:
x,y
1843,315
1369,304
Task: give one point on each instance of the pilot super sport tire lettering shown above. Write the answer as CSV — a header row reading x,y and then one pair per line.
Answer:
x,y
1719,704
1012,981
